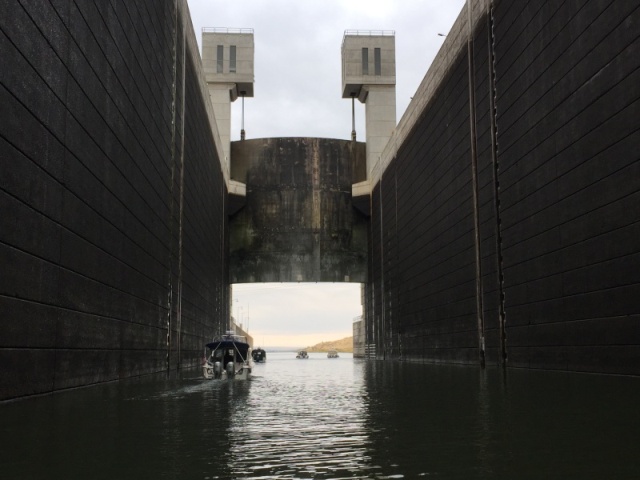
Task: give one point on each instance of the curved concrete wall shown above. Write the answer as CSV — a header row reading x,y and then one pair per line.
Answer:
x,y
298,224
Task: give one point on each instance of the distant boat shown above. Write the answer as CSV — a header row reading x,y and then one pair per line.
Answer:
x,y
332,354
228,357
259,355
302,354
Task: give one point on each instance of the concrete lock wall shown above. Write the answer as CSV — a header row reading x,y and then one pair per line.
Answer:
x,y
112,233
555,208
298,223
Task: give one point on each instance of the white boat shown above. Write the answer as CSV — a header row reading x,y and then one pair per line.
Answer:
x,y
302,354
332,354
228,357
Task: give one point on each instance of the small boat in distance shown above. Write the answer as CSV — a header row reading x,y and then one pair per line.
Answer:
x,y
332,354
259,355
302,354
228,357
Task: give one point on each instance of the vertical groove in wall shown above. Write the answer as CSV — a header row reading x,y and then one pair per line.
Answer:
x,y
383,310
224,303
396,261
181,193
474,186
376,302
496,179
316,204
60,287
389,264
171,189
181,218
369,317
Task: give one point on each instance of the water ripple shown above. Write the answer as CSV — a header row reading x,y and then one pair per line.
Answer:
x,y
303,426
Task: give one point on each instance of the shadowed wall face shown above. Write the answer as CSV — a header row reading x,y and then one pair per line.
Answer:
x,y
298,224
111,196
556,283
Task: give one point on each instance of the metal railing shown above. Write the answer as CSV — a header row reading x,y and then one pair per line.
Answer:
x,y
226,30
367,33
370,33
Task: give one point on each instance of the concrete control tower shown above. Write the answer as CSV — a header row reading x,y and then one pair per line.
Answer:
x,y
369,74
228,58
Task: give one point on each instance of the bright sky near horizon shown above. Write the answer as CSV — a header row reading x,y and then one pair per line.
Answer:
x,y
298,94
296,314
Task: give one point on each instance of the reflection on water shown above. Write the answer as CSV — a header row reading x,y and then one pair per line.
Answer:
x,y
331,418
293,427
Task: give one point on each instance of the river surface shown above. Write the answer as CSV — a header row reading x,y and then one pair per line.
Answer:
x,y
326,418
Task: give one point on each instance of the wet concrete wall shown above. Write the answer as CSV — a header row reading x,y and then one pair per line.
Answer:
x,y
544,244
298,223
112,232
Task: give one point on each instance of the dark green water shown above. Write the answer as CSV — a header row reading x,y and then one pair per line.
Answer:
x,y
331,418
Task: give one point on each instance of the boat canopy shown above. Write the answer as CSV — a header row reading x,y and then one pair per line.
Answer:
x,y
231,341
227,343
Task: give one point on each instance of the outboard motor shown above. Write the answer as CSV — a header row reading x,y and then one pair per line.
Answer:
x,y
217,370
231,369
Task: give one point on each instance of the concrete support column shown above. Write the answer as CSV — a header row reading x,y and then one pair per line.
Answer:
x,y
380,122
220,94
369,74
227,60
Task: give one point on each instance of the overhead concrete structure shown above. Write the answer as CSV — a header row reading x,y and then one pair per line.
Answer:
x,y
228,59
369,74
299,223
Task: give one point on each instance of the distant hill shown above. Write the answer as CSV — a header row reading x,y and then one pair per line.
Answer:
x,y
344,345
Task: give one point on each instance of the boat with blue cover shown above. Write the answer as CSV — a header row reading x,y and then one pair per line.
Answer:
x,y
228,357
259,355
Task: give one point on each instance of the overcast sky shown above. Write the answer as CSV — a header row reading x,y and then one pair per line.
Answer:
x,y
297,93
